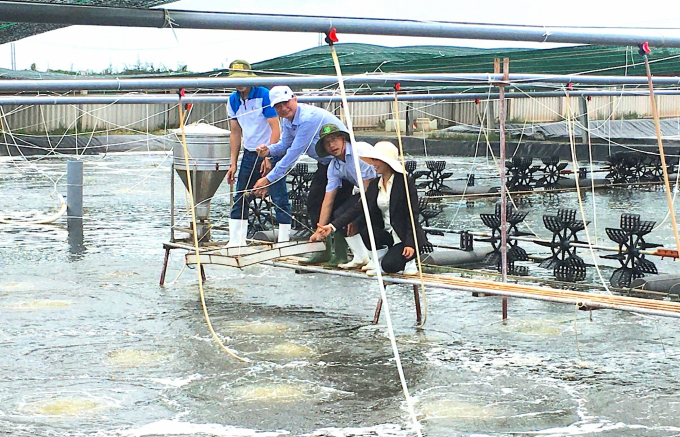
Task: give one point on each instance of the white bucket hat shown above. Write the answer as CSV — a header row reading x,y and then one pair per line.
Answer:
x,y
384,151
280,94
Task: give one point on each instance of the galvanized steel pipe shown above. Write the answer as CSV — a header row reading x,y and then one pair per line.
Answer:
x,y
142,99
161,18
117,84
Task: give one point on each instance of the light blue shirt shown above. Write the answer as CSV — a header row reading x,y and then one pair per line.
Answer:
x,y
338,170
300,136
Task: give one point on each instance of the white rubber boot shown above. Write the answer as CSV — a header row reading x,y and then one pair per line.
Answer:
x,y
284,233
411,268
372,265
374,272
238,230
360,253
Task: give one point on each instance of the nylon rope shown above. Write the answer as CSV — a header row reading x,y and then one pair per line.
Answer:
x,y
195,238
371,236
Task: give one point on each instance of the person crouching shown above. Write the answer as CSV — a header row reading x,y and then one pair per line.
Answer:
x,y
392,219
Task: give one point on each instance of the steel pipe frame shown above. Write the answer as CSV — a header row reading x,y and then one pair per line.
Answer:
x,y
117,84
222,98
165,18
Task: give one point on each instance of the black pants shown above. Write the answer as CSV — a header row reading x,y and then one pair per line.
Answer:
x,y
339,207
393,261
317,191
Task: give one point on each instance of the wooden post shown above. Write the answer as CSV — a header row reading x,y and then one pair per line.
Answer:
x,y
376,315
409,120
501,126
416,296
165,265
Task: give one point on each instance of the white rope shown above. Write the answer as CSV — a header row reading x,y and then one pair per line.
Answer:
x,y
195,240
371,236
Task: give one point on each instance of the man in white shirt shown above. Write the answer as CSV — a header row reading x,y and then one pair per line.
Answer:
x,y
252,121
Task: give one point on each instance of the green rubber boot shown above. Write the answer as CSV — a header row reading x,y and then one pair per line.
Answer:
x,y
318,257
339,252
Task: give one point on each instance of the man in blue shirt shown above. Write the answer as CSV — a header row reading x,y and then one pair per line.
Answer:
x,y
336,143
301,126
253,121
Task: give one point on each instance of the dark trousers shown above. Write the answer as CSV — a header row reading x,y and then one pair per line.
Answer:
x,y
343,203
317,191
248,174
393,261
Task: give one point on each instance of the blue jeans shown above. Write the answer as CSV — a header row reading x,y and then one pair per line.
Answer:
x,y
248,174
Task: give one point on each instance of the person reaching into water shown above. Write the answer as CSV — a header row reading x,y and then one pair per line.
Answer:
x,y
335,142
389,210
301,128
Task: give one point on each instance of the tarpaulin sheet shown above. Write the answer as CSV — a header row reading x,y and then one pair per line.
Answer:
x,y
614,130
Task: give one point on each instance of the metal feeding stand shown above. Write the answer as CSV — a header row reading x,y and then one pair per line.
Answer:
x,y
208,157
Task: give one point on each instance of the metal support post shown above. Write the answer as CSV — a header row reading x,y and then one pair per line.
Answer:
x,y
585,122
501,125
74,205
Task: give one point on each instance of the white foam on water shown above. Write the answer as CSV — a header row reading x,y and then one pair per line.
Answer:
x,y
37,304
478,362
585,428
134,358
538,327
274,392
290,349
382,430
175,428
455,409
121,274
258,328
69,406
15,286
176,382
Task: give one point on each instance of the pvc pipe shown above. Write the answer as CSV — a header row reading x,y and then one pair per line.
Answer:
x,y
175,83
163,18
74,189
222,98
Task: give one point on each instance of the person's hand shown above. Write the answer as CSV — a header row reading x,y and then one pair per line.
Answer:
x,y
351,230
231,174
324,231
265,167
262,150
408,252
316,236
260,188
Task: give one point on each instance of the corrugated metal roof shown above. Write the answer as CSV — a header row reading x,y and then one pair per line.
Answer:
x,y
15,31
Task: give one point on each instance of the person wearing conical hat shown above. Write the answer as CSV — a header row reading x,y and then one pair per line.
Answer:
x,y
389,210
252,122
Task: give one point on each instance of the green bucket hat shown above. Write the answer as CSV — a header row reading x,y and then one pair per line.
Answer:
x,y
326,130
240,68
